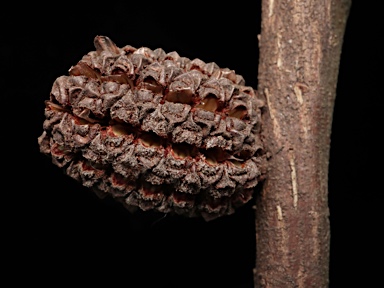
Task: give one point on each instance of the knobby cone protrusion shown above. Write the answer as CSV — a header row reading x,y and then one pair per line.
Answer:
x,y
156,130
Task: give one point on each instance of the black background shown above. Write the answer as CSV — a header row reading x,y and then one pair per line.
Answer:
x,y
57,232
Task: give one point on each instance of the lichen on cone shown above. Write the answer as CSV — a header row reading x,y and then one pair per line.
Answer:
x,y
156,131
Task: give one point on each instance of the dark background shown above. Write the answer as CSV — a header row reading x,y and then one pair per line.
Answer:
x,y
57,232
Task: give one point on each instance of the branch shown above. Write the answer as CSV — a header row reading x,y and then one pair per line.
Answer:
x,y
300,46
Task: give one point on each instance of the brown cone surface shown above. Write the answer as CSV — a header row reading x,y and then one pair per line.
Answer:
x,y
156,130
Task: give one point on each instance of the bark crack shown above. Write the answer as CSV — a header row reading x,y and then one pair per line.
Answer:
x,y
295,194
276,127
271,4
299,89
298,93
279,213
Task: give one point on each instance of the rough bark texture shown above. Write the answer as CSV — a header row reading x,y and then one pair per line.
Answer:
x,y
300,46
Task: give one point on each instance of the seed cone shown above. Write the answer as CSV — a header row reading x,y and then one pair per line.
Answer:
x,y
156,131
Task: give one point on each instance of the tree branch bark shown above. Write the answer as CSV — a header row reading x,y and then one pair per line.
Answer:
x,y
300,47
